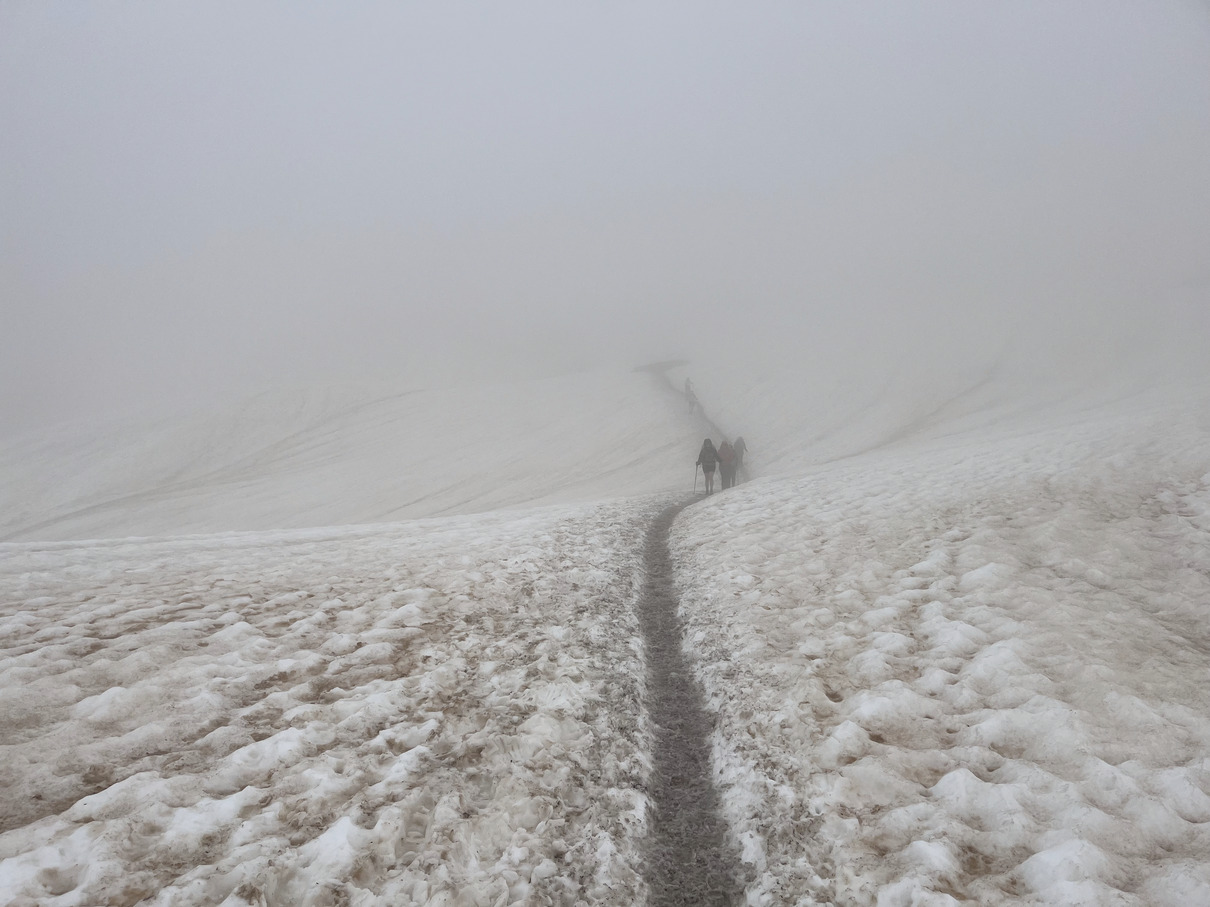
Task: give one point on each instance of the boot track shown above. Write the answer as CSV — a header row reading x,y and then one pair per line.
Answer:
x,y
689,860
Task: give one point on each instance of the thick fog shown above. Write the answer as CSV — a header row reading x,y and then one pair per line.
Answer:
x,y
198,199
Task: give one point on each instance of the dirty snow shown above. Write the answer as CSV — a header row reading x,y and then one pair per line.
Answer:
x,y
391,715
969,669
955,646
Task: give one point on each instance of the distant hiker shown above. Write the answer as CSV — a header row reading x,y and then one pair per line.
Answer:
x,y
707,458
740,449
726,463
690,396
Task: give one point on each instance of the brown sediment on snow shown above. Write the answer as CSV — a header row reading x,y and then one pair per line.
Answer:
x,y
689,860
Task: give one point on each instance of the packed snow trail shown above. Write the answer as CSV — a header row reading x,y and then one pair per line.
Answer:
x,y
688,860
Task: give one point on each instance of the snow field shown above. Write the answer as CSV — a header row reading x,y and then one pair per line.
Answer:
x,y
294,459
967,670
954,644
795,418
442,712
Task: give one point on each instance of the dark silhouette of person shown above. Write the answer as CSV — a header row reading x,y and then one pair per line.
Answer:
x,y
726,463
707,458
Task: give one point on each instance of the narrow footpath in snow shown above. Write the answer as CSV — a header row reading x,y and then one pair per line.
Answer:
x,y
688,859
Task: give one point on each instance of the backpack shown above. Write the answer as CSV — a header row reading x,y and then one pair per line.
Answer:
x,y
725,454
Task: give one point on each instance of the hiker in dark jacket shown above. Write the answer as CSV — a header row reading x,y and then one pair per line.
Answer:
x,y
707,458
726,463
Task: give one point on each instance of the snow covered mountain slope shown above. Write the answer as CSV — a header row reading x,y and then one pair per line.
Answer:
x,y
968,666
383,715
359,455
334,455
952,638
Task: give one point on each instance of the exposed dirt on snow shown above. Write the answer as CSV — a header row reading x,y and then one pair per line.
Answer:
x,y
417,713
689,860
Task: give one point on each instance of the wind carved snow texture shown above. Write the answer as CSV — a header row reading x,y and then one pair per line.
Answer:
x,y
688,861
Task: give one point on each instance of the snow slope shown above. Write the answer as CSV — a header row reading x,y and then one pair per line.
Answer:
x,y
972,668
348,716
341,456
953,637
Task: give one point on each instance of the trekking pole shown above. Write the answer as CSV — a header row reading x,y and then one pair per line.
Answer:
x,y
695,469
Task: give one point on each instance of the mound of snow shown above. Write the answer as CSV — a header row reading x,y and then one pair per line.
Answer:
x,y
346,456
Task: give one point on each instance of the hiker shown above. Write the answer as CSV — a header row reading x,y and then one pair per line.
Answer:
x,y
726,463
707,458
740,449
691,396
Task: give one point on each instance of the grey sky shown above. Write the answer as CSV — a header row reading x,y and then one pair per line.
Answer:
x,y
198,196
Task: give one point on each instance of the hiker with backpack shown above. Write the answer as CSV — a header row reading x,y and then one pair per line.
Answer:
x,y
726,463
707,458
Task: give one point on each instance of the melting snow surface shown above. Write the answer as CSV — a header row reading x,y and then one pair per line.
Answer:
x,y
958,654
382,716
969,670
